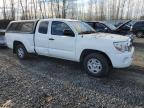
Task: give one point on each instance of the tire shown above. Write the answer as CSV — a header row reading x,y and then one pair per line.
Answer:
x,y
21,52
96,65
139,34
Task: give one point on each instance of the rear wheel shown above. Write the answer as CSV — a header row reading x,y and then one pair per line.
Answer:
x,y
96,65
139,34
21,52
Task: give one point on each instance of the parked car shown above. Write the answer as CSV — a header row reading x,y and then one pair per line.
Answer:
x,y
138,29
3,26
2,38
123,29
71,40
116,23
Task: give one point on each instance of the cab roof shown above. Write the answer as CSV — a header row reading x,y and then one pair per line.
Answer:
x,y
51,19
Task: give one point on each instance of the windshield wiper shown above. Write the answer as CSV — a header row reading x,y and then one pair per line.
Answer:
x,y
87,32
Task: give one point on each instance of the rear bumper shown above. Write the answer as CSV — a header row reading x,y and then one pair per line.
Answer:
x,y
122,60
2,42
3,45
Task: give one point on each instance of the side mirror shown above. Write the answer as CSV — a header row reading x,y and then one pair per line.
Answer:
x,y
69,33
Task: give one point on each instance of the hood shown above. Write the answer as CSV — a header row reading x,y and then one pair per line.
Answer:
x,y
123,24
107,36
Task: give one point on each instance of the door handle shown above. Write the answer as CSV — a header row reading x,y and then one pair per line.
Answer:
x,y
51,39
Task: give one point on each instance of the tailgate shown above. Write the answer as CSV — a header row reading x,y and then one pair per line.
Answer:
x,y
2,39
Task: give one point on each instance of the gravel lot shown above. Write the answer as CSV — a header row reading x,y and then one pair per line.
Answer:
x,y
42,82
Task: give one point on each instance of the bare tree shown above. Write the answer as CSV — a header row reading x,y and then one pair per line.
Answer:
x,y
12,10
26,9
31,9
102,14
118,9
58,8
52,12
22,8
122,9
128,9
96,9
40,6
64,2
90,10
35,8
4,9
44,1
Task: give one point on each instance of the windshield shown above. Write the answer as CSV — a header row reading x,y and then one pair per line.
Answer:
x,y
82,27
112,27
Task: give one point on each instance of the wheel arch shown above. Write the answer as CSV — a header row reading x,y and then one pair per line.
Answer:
x,y
85,52
15,43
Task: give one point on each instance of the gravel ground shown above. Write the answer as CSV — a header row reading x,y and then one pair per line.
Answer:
x,y
42,82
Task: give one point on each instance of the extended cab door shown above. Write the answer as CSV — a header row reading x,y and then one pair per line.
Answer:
x,y
62,41
42,38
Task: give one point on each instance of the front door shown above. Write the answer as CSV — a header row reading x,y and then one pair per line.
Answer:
x,y
60,44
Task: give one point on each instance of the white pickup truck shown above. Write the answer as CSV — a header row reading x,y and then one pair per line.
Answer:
x,y
71,40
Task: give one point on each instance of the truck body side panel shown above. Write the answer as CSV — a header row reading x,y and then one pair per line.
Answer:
x,y
25,39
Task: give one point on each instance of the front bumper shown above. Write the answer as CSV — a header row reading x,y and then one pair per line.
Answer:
x,y
122,60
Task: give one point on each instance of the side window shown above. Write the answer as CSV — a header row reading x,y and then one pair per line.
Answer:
x,y
91,24
27,27
100,27
23,27
12,27
58,28
139,24
142,24
43,27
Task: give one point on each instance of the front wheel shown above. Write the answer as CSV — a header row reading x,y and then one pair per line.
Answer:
x,y
21,52
96,65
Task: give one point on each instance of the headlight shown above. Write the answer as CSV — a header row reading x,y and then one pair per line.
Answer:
x,y
121,46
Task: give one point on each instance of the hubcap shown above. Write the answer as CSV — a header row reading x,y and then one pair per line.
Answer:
x,y
94,65
20,52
